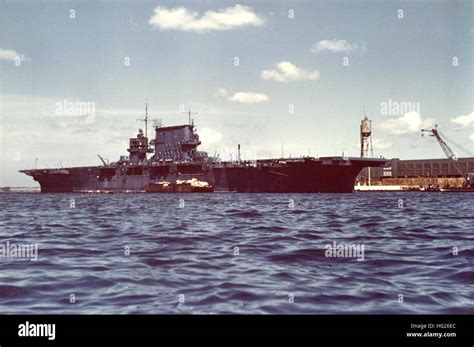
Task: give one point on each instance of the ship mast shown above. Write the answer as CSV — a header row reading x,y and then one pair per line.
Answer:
x,y
189,116
145,120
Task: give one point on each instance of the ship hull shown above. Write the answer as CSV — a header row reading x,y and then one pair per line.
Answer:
x,y
306,175
295,177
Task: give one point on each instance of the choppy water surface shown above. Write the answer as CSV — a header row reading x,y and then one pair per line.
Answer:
x,y
238,253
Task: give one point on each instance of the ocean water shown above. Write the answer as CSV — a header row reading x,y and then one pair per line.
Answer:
x,y
238,253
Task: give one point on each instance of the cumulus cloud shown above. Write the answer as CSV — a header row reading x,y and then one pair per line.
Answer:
x,y
338,46
208,135
464,120
180,18
286,71
221,93
249,97
377,143
243,97
10,55
381,144
410,122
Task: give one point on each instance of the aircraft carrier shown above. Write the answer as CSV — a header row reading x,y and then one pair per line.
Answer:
x,y
173,156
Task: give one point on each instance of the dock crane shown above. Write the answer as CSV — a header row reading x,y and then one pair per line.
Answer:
x,y
449,153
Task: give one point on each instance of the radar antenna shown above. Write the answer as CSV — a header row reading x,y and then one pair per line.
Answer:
x,y
145,120
189,116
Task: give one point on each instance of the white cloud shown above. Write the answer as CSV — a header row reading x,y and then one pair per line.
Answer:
x,y
221,93
207,135
249,97
90,119
286,71
381,144
115,112
338,46
10,55
464,120
243,97
180,18
472,137
410,122
377,144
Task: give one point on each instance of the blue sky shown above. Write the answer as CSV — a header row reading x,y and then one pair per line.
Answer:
x,y
179,55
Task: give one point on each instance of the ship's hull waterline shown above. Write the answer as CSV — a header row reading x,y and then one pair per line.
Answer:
x,y
305,175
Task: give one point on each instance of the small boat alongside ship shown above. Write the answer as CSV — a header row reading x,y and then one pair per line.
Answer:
x,y
189,186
